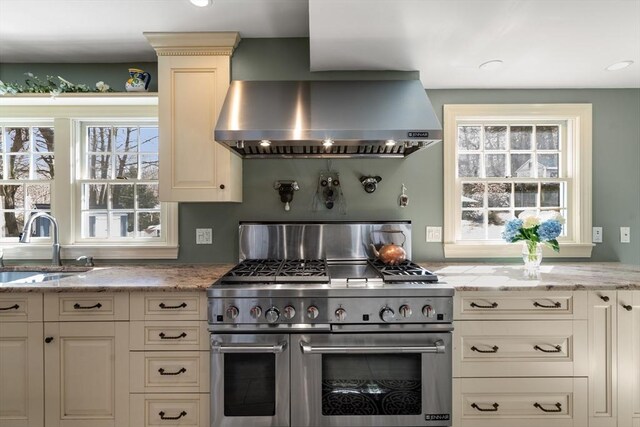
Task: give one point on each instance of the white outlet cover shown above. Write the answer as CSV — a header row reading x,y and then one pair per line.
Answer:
x,y
597,235
204,236
434,234
625,234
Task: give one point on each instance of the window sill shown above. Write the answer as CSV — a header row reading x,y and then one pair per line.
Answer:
x,y
99,251
513,250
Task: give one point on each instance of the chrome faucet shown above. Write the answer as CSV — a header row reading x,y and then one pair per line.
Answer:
x,y
25,237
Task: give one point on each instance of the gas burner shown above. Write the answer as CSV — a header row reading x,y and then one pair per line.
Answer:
x,y
406,271
303,268
278,270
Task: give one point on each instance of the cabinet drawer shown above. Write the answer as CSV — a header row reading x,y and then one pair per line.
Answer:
x,y
520,305
169,305
183,335
522,402
185,410
87,306
21,307
169,371
548,348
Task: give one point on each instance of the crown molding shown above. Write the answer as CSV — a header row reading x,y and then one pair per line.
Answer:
x,y
193,43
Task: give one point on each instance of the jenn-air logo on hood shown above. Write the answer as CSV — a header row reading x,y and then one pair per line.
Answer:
x,y
418,134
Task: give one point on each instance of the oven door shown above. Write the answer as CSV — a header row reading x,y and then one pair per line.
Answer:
x,y
249,380
371,379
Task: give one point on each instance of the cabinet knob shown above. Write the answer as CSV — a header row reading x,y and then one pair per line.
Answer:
x,y
222,186
604,298
48,339
627,307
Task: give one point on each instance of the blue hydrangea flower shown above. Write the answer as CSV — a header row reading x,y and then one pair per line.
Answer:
x,y
511,229
549,230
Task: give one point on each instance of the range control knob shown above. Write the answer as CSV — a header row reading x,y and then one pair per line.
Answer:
x,y
405,311
272,315
387,314
427,311
256,311
312,312
341,314
289,312
232,312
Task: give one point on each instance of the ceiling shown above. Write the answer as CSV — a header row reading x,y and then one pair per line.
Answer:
x,y
542,43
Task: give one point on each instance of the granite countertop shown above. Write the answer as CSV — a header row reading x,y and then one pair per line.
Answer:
x,y
559,276
463,277
150,277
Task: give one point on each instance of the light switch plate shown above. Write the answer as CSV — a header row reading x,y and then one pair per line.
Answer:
x,y
204,236
434,234
625,234
597,235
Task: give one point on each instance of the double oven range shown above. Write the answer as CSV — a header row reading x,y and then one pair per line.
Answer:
x,y
309,330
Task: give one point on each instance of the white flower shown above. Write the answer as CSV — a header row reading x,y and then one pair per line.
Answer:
x,y
552,215
102,86
530,222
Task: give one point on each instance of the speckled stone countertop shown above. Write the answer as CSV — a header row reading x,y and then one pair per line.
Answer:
x,y
559,276
463,277
158,277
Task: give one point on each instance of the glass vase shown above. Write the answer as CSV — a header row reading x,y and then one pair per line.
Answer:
x,y
532,257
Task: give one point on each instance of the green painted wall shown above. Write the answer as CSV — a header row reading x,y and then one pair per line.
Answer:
x,y
616,155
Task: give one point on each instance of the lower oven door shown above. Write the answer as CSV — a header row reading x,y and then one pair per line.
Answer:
x,y
371,379
249,380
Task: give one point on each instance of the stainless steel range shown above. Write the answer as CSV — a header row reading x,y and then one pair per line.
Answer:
x,y
309,330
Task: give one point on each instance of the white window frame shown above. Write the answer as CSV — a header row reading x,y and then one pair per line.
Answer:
x,y
67,112
578,163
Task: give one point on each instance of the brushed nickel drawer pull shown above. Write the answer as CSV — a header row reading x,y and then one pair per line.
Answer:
x,y
558,406
493,305
178,372
166,337
494,409
13,307
627,307
494,349
77,306
163,417
557,348
172,307
555,305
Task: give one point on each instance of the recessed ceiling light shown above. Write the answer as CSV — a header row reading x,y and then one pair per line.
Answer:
x,y
265,143
619,65
494,64
200,3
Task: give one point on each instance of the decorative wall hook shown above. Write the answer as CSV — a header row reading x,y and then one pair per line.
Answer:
x,y
370,183
286,189
403,199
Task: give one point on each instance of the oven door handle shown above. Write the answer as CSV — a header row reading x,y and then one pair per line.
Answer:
x,y
218,347
307,348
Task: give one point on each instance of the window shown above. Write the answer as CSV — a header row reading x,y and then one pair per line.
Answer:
x,y
26,172
119,182
503,159
105,189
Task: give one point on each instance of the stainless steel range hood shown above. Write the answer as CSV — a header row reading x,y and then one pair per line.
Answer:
x,y
266,119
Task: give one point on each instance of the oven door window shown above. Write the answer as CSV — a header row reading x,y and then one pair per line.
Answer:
x,y
249,385
371,384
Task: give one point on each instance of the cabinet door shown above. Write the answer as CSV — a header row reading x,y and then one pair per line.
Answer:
x,y
21,375
603,392
193,167
87,374
629,358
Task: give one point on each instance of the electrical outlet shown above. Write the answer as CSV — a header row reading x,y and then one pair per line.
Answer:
x,y
434,234
204,236
597,235
625,234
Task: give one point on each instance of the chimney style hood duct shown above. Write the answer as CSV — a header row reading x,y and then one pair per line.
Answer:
x,y
327,119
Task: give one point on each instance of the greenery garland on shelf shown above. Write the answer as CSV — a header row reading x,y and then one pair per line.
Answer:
x,y
34,84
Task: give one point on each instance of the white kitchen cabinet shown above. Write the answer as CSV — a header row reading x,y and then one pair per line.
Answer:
x,y
614,352
193,78
21,373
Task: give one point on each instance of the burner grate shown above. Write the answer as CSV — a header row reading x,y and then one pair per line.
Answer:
x,y
406,271
277,270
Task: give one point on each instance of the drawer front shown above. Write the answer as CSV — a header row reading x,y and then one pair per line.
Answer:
x,y
522,402
87,306
169,305
21,307
548,348
183,335
154,410
520,305
169,371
